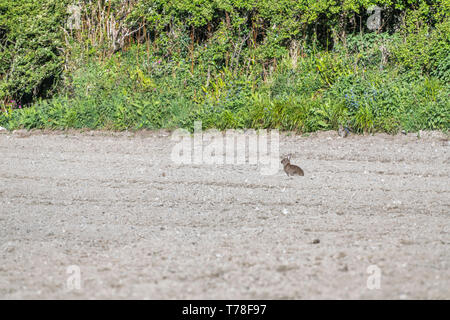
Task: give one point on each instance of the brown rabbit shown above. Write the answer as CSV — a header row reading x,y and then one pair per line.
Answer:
x,y
290,169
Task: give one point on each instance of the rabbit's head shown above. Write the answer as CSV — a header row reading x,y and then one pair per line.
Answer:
x,y
286,160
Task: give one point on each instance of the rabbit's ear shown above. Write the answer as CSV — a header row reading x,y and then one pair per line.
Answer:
x,y
289,156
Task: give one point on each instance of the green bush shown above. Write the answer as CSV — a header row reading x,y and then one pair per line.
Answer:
x,y
292,65
426,51
31,38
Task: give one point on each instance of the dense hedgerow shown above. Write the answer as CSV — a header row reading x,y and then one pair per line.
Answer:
x,y
293,65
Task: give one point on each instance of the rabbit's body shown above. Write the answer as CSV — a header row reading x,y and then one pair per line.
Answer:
x,y
290,169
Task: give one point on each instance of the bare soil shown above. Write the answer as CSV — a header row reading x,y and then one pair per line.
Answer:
x,y
139,226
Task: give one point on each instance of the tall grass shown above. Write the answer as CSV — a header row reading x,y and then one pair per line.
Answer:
x,y
317,93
